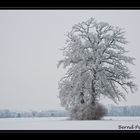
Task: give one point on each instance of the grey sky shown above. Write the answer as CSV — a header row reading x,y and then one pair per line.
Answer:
x,y
29,51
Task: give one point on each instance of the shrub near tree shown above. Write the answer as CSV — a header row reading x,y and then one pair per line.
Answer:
x,y
88,112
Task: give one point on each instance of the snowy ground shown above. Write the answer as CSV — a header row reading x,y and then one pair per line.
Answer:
x,y
62,123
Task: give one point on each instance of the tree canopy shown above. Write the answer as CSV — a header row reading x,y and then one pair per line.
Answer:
x,y
96,63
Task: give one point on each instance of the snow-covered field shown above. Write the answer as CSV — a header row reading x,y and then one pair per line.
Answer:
x,y
63,123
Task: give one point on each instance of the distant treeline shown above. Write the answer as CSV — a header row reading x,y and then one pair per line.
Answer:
x,y
112,111
123,110
17,114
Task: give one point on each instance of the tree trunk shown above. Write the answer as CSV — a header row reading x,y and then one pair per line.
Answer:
x,y
93,93
82,99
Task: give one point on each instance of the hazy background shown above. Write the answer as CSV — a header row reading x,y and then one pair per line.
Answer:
x,y
29,51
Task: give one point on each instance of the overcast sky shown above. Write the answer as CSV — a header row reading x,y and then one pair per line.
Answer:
x,y
29,51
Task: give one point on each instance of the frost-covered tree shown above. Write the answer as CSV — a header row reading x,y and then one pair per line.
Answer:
x,y
96,63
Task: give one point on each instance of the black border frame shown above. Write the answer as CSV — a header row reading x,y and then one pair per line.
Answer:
x,y
68,8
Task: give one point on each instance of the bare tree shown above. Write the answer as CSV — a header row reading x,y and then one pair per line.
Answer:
x,y
96,63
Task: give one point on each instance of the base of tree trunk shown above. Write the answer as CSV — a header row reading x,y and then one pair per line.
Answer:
x,y
88,112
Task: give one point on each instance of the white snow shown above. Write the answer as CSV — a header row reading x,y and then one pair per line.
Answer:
x,y
63,123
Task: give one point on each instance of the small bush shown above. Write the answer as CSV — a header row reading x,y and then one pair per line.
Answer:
x,y
88,112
